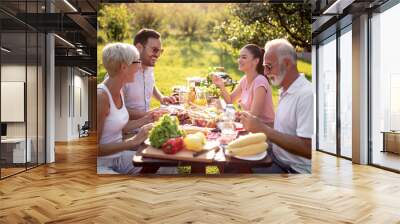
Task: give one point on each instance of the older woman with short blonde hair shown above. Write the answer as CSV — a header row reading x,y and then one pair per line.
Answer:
x,y
114,154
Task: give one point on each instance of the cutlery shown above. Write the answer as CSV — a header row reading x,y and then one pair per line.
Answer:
x,y
196,154
215,130
216,152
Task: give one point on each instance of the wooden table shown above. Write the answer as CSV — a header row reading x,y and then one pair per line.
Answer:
x,y
391,141
150,165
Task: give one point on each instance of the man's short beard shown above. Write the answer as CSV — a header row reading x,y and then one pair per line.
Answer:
x,y
147,64
277,81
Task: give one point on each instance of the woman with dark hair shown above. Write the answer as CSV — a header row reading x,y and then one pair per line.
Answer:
x,y
254,91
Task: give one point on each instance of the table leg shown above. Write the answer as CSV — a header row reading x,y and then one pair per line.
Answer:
x,y
244,169
221,169
149,169
384,143
198,169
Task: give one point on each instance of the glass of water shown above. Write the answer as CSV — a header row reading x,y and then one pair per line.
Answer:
x,y
228,132
183,96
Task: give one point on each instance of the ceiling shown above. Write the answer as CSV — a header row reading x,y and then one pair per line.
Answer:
x,y
327,13
74,22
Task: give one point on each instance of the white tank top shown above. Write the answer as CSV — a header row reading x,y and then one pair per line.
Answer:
x,y
112,131
115,121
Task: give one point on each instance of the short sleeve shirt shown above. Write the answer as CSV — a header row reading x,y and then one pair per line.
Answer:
x,y
295,116
138,93
248,93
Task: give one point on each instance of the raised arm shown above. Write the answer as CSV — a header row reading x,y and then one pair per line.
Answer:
x,y
228,97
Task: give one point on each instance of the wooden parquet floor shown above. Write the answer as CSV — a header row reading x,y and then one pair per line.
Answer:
x,y
10,171
70,191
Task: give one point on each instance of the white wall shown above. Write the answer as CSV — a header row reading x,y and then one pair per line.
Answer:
x,y
81,100
70,84
61,103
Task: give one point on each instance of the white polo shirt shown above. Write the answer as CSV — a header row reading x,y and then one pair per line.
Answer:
x,y
138,93
295,116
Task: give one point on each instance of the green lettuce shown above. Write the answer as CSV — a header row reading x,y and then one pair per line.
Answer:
x,y
165,128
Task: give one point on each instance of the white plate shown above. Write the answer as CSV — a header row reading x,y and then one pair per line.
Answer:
x,y
259,156
171,108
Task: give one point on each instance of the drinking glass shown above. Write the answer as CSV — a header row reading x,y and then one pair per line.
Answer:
x,y
201,98
228,132
183,96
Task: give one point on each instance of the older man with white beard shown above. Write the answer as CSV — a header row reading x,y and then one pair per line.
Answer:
x,y
293,126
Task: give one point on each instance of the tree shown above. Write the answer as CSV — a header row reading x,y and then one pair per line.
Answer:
x,y
189,24
259,22
114,22
147,16
189,21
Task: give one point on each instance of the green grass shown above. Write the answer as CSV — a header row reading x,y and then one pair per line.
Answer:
x,y
187,170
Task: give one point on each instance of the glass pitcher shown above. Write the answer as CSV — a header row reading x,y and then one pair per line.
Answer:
x,y
201,97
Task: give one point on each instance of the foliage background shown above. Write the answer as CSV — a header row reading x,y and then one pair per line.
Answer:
x,y
197,37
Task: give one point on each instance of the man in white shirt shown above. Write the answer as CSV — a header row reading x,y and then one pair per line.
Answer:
x,y
138,93
294,121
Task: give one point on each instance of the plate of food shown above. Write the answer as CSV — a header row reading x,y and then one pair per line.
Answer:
x,y
203,119
256,157
251,147
191,129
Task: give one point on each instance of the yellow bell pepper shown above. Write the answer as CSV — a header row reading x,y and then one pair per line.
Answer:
x,y
194,142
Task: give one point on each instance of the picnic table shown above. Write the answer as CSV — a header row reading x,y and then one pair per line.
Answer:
x,y
151,161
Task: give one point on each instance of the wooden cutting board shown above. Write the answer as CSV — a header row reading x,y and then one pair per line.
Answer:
x,y
183,155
